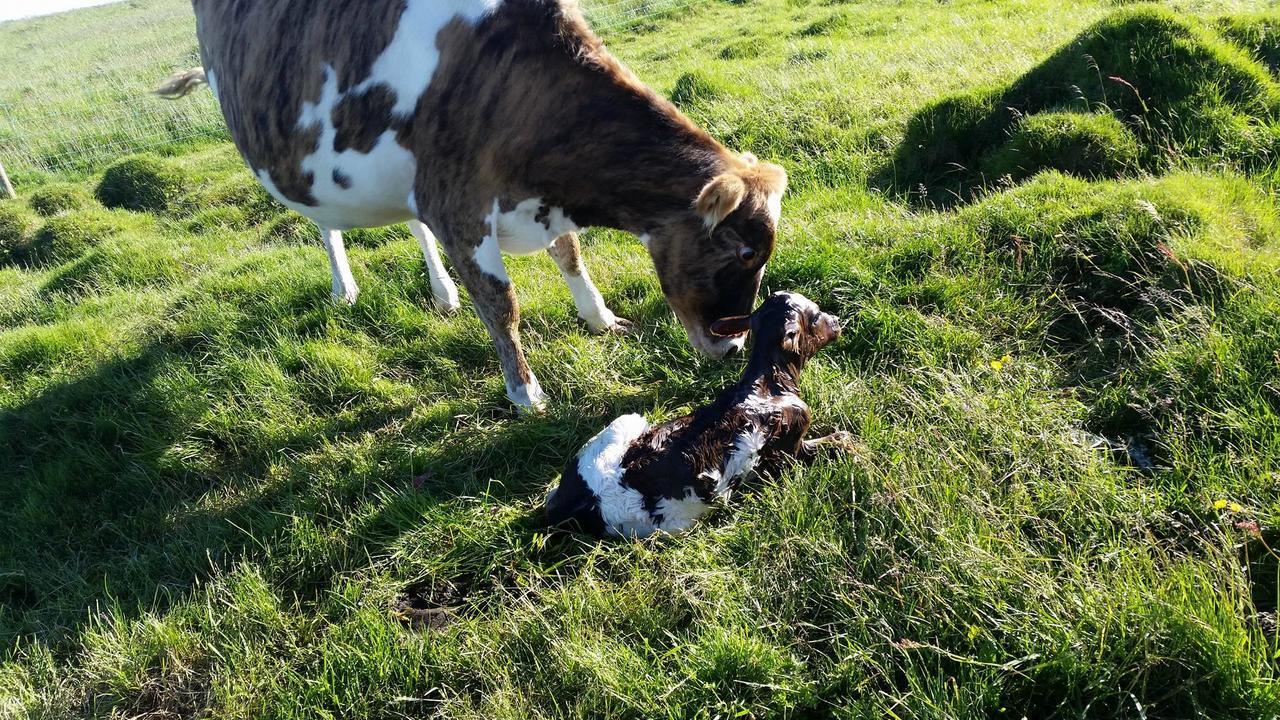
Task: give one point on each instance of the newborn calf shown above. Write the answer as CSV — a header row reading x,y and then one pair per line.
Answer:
x,y
633,480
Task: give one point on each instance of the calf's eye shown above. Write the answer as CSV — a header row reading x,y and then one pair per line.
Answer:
x,y
746,253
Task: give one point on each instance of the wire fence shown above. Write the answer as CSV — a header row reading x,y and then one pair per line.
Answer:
x,y
75,89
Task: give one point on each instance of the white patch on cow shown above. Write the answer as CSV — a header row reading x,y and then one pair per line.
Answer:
x,y
528,395
413,204
344,286
645,239
443,292
520,232
488,254
379,181
774,204
679,514
600,465
212,79
409,62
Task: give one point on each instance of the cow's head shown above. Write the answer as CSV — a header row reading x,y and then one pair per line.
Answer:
x,y
710,261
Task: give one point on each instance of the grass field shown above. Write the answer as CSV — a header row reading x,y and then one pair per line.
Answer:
x,y
1052,229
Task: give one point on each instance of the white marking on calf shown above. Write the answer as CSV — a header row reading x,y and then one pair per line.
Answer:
x,y
408,63
600,465
679,514
645,239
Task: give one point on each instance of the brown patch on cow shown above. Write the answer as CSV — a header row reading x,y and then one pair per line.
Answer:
x,y
568,254
544,216
359,120
268,58
341,180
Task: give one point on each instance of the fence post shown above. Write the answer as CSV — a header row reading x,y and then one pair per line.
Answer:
x,y
6,187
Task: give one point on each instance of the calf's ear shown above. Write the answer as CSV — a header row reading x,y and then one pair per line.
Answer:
x,y
731,326
720,198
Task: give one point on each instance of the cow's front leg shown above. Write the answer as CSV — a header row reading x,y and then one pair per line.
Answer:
x,y
591,308
485,276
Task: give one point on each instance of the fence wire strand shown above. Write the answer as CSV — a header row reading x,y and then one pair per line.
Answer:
x,y
76,110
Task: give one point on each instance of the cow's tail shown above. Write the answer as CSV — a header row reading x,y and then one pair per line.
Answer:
x,y
182,83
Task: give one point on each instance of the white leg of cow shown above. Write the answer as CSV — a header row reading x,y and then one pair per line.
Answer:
x,y
591,308
443,292
345,289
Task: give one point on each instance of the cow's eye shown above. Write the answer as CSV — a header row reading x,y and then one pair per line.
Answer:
x,y
746,253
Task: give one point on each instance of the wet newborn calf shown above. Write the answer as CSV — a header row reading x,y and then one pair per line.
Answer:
x,y
633,479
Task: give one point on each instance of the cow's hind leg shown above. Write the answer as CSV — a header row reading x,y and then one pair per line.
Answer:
x,y
443,292
591,308
485,276
344,286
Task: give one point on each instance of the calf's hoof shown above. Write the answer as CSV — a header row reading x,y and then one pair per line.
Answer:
x,y
345,296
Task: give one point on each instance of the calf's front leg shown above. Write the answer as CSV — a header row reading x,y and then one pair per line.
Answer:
x,y
482,271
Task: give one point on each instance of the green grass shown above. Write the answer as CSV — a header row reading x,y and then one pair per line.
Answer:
x,y
220,486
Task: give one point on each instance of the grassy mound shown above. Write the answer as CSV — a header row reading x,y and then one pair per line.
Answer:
x,y
142,183
1258,33
692,88
16,224
65,237
238,190
57,198
1182,90
1086,145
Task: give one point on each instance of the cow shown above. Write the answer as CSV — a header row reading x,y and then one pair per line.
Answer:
x,y
504,126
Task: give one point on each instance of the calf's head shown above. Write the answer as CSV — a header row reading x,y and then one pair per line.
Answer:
x,y
710,262
788,328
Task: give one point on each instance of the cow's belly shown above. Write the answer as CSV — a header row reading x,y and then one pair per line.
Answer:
x,y
350,188
378,189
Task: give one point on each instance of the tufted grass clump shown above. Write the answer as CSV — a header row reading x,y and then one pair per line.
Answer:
x,y
1183,91
1087,145
57,198
1258,33
16,224
141,183
692,88
64,237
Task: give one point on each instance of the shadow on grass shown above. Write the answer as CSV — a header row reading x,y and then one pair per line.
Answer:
x,y
118,492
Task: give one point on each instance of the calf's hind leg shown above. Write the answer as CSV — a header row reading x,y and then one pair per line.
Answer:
x,y
591,308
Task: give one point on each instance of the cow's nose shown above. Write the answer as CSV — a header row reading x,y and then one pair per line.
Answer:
x,y
733,350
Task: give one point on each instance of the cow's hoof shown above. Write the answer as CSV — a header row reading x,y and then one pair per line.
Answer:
x,y
345,296
448,306
619,326
528,398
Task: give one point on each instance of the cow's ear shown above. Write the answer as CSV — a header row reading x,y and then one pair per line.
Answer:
x,y
731,326
720,198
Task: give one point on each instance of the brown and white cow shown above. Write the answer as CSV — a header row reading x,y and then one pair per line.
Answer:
x,y
502,125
